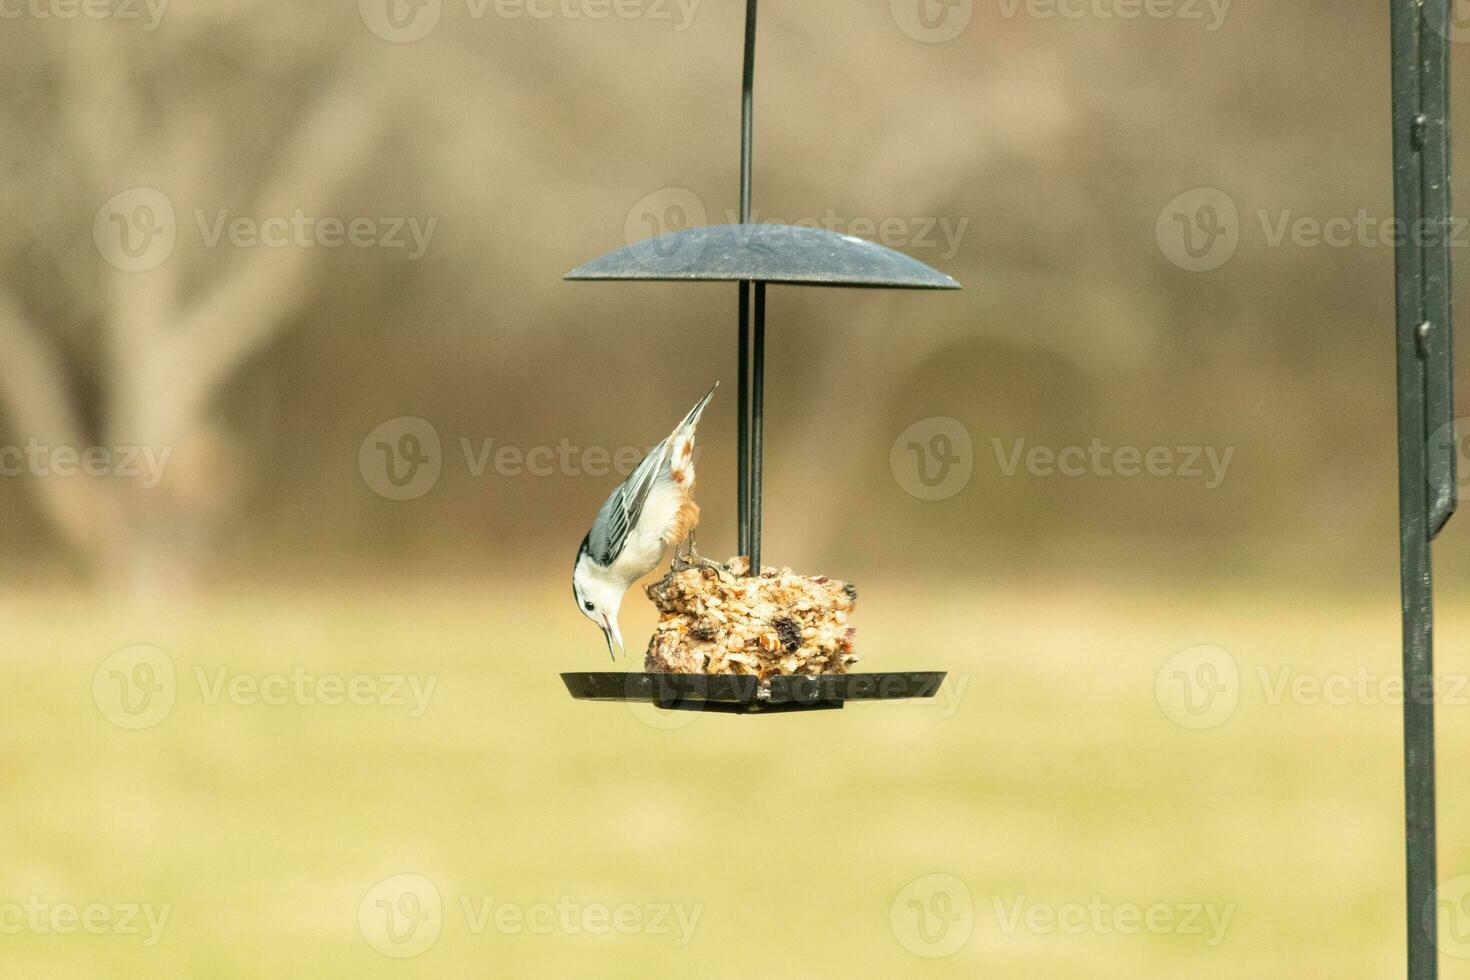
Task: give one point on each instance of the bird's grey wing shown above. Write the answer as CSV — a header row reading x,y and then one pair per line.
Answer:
x,y
620,514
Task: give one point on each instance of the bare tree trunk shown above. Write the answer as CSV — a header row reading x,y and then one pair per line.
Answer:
x,y
165,362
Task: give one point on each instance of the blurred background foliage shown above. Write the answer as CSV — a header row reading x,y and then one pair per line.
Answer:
x,y
1056,142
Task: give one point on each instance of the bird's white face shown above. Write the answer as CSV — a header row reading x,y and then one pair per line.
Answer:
x,y
598,598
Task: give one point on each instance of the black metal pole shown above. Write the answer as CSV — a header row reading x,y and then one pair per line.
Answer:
x,y
757,426
747,115
1427,487
743,437
749,438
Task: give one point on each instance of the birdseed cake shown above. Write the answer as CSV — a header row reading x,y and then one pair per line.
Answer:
x,y
718,621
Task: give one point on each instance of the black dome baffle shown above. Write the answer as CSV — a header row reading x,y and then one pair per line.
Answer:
x,y
789,254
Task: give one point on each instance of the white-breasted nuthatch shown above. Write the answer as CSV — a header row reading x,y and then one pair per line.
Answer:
x,y
654,508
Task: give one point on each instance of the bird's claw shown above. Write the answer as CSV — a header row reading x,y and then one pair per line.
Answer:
x,y
695,560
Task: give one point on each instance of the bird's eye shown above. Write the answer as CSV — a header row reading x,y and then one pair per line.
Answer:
x,y
588,606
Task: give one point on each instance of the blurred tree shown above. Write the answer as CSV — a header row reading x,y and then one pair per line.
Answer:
x,y
165,335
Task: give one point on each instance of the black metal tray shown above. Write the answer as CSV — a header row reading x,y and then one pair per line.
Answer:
x,y
748,696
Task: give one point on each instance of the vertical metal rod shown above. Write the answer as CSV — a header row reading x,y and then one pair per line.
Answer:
x,y
1427,488
743,438
748,492
747,114
757,426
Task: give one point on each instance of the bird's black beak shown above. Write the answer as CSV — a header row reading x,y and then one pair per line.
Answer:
x,y
613,636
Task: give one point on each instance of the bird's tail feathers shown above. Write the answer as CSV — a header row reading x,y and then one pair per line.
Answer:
x,y
692,419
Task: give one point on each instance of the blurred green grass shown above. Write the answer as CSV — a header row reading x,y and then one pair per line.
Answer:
x,y
1047,771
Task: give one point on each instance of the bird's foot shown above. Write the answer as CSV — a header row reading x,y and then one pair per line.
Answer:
x,y
693,559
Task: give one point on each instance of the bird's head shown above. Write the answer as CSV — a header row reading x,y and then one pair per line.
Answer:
x,y
598,598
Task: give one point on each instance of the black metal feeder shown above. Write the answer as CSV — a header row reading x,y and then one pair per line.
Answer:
x,y
753,255
731,694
